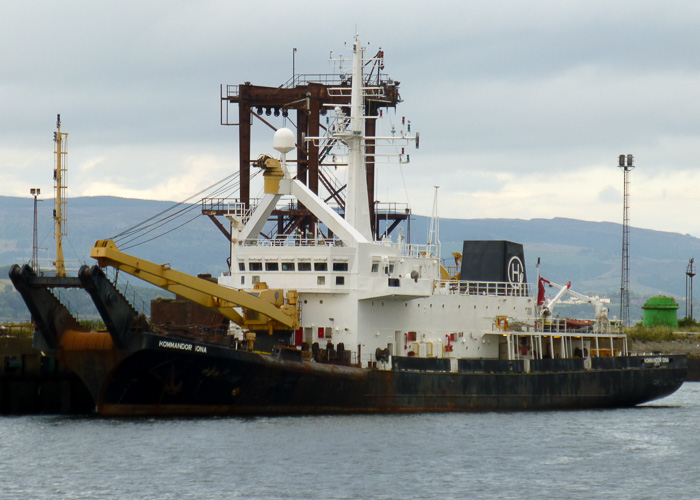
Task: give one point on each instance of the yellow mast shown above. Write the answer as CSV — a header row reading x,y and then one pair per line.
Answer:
x,y
59,138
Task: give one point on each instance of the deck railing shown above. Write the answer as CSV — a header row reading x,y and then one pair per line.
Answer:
x,y
293,242
228,206
493,288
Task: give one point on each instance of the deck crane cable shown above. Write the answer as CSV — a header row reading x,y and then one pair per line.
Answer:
x,y
229,186
136,227
155,226
162,234
161,223
177,215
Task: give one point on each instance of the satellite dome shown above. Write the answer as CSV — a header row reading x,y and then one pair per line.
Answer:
x,y
284,140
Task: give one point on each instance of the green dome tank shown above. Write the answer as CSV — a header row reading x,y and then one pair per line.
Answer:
x,y
660,311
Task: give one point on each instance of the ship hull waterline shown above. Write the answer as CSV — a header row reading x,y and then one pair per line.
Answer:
x,y
209,379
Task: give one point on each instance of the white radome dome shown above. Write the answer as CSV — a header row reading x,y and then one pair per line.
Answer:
x,y
284,140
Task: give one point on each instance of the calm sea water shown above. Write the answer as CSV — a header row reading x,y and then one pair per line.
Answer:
x,y
651,451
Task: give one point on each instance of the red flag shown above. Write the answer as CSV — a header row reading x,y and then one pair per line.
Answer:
x,y
540,292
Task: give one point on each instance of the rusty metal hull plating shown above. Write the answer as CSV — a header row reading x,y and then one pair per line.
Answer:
x,y
225,381
131,370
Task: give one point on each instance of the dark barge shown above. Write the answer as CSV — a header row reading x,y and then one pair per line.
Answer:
x,y
131,370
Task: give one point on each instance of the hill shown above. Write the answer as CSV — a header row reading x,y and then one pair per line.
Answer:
x,y
586,253
197,247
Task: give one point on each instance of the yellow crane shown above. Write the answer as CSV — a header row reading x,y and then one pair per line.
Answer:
x,y
263,309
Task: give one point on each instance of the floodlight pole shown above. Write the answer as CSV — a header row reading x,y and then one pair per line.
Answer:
x,y
626,163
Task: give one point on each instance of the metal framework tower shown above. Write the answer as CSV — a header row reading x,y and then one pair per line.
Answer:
x,y
626,163
307,97
689,273
59,178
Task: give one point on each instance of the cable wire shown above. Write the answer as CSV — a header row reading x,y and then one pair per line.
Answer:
x,y
130,236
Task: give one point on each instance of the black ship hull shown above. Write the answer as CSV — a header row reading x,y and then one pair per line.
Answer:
x,y
130,370
169,377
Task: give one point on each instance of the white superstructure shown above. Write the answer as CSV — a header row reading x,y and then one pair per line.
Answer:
x,y
377,298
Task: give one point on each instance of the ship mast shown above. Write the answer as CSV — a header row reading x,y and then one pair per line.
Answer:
x,y
434,230
357,201
59,139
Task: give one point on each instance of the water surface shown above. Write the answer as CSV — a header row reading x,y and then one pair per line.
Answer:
x,y
650,452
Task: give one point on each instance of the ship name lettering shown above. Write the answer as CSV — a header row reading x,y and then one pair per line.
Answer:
x,y
199,348
169,344
656,361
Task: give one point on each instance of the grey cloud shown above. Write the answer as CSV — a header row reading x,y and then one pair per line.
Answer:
x,y
610,194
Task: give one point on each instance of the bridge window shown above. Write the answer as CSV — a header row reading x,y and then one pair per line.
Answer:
x,y
241,266
304,266
340,266
255,266
375,267
340,280
320,266
272,266
287,266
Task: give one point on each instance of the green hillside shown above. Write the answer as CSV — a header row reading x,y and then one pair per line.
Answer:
x,y
585,253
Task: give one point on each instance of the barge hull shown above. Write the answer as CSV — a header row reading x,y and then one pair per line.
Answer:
x,y
225,381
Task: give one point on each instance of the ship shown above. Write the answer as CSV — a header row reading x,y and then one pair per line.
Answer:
x,y
334,319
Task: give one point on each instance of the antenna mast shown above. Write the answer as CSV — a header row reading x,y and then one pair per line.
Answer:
x,y
357,200
626,163
434,230
59,138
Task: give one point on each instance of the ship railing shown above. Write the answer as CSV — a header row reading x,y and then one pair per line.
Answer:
x,y
536,345
411,250
376,92
569,326
391,209
228,91
46,266
293,242
228,206
328,79
490,288
323,78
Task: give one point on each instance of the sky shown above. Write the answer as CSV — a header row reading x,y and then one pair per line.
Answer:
x,y
523,106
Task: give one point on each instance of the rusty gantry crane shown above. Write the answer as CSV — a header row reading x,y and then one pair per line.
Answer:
x,y
306,98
